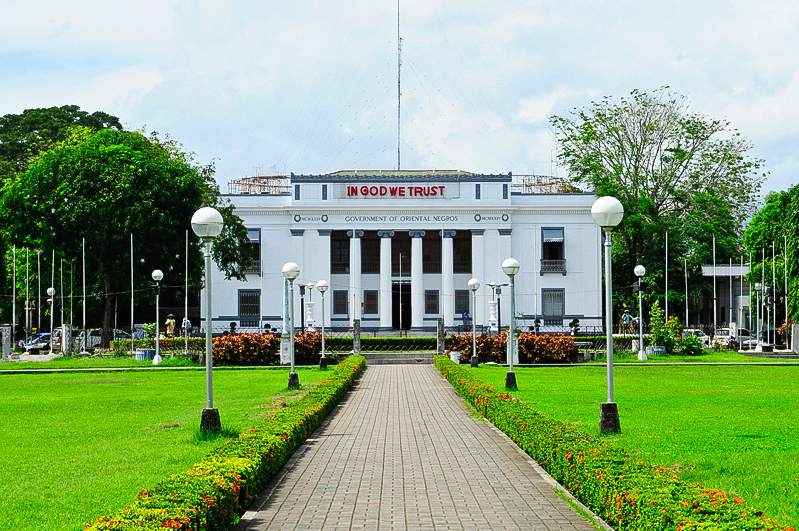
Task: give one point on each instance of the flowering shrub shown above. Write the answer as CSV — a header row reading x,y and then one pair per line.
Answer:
x,y
246,349
220,487
627,492
533,348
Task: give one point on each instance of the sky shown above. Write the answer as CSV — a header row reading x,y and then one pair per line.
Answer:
x,y
310,87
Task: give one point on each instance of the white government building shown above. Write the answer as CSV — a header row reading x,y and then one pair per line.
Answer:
x,y
398,249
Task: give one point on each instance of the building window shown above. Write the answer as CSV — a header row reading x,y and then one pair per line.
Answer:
x,y
461,301
339,252
370,252
431,302
462,252
296,192
249,307
552,255
504,191
254,251
477,191
553,306
370,301
431,252
340,301
324,192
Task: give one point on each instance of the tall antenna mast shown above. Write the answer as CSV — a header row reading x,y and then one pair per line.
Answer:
x,y
399,78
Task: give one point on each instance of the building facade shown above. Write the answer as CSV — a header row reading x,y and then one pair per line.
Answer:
x,y
398,249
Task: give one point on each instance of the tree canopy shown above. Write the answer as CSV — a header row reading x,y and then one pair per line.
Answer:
x,y
104,185
25,135
674,171
776,226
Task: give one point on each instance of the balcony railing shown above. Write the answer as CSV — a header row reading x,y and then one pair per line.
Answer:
x,y
254,269
553,266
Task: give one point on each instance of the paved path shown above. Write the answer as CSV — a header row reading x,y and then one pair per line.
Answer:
x,y
404,452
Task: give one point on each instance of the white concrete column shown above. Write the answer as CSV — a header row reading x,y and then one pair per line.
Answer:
x,y
324,273
479,272
447,278
505,251
297,254
417,285
384,297
355,274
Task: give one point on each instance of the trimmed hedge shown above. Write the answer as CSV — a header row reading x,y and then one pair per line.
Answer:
x,y
533,348
625,491
218,489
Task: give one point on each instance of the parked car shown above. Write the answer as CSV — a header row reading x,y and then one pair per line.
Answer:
x,y
95,338
704,338
765,336
38,343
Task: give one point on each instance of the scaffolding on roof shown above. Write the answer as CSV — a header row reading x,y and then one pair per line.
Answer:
x,y
543,184
260,184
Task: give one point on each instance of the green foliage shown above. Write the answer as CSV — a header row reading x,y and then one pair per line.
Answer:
x,y
220,487
664,333
673,171
692,346
627,492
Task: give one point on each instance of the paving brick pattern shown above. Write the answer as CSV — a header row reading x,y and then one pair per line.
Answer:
x,y
404,452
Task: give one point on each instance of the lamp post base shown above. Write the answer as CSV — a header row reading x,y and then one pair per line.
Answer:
x,y
510,380
294,380
474,362
323,363
210,420
609,418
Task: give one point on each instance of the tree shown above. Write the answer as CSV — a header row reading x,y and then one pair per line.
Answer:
x,y
674,171
777,223
102,186
25,135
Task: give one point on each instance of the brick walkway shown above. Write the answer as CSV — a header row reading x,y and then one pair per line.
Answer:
x,y
404,452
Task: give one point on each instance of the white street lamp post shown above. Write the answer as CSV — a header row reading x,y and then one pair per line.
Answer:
x,y
510,267
608,212
51,300
640,271
157,276
759,346
207,223
474,285
322,286
291,271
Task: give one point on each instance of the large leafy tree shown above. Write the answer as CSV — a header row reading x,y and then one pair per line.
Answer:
x,y
101,187
774,228
674,171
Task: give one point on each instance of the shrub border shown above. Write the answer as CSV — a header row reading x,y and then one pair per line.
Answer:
x,y
624,491
218,489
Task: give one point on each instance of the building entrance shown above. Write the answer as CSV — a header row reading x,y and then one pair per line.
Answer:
x,y
401,305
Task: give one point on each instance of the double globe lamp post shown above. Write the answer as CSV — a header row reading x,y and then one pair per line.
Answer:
x,y
323,286
640,271
291,271
510,267
608,212
474,285
207,223
158,275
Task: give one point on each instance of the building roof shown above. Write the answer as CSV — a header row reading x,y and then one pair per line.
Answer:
x,y
352,176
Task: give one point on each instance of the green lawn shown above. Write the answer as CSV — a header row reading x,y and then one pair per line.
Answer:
x,y
709,356
79,445
729,427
